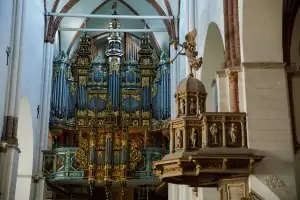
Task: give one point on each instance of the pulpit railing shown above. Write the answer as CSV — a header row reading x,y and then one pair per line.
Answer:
x,y
209,130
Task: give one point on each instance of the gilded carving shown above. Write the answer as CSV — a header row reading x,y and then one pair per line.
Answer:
x,y
190,50
236,191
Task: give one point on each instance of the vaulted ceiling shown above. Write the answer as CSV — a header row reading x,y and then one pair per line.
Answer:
x,y
125,7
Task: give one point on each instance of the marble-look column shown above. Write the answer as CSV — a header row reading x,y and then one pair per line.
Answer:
x,y
9,152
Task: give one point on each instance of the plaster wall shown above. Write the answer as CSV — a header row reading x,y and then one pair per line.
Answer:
x,y
25,130
262,22
32,60
263,91
6,10
31,83
269,128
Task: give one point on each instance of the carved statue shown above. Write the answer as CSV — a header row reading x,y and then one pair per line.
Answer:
x,y
182,107
194,138
214,132
192,107
233,132
178,139
190,50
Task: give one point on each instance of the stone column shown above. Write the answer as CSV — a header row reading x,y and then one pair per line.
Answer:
x,y
223,91
45,115
269,129
234,90
9,152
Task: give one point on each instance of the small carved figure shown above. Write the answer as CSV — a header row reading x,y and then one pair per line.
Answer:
x,y
214,132
182,107
179,139
194,138
233,132
192,107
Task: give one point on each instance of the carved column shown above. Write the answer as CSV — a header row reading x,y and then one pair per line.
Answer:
x,y
234,90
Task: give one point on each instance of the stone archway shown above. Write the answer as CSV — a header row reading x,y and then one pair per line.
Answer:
x,y
25,137
213,61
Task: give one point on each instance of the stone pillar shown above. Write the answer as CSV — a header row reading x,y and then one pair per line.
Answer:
x,y
9,152
233,89
269,129
39,184
223,91
174,71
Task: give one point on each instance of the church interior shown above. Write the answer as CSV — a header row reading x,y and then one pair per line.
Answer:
x,y
149,100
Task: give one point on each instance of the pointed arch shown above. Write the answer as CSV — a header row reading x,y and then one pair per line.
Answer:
x,y
213,60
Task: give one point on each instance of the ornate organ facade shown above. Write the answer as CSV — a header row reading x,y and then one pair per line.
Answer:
x,y
108,114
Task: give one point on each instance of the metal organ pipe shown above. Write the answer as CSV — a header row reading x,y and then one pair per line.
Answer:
x,y
132,48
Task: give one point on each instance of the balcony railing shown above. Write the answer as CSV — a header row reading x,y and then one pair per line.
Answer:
x,y
60,164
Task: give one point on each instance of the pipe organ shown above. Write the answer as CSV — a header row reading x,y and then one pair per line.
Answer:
x,y
112,110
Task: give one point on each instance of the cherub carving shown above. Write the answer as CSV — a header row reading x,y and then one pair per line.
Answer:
x,y
182,107
233,132
178,139
190,50
192,107
214,132
193,138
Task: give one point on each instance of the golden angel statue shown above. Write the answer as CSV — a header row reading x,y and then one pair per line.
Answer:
x,y
189,47
190,50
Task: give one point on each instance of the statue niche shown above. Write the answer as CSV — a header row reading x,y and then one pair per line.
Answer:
x,y
192,107
214,131
178,140
233,133
194,138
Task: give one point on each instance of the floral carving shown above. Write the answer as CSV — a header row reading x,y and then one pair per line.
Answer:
x,y
274,182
